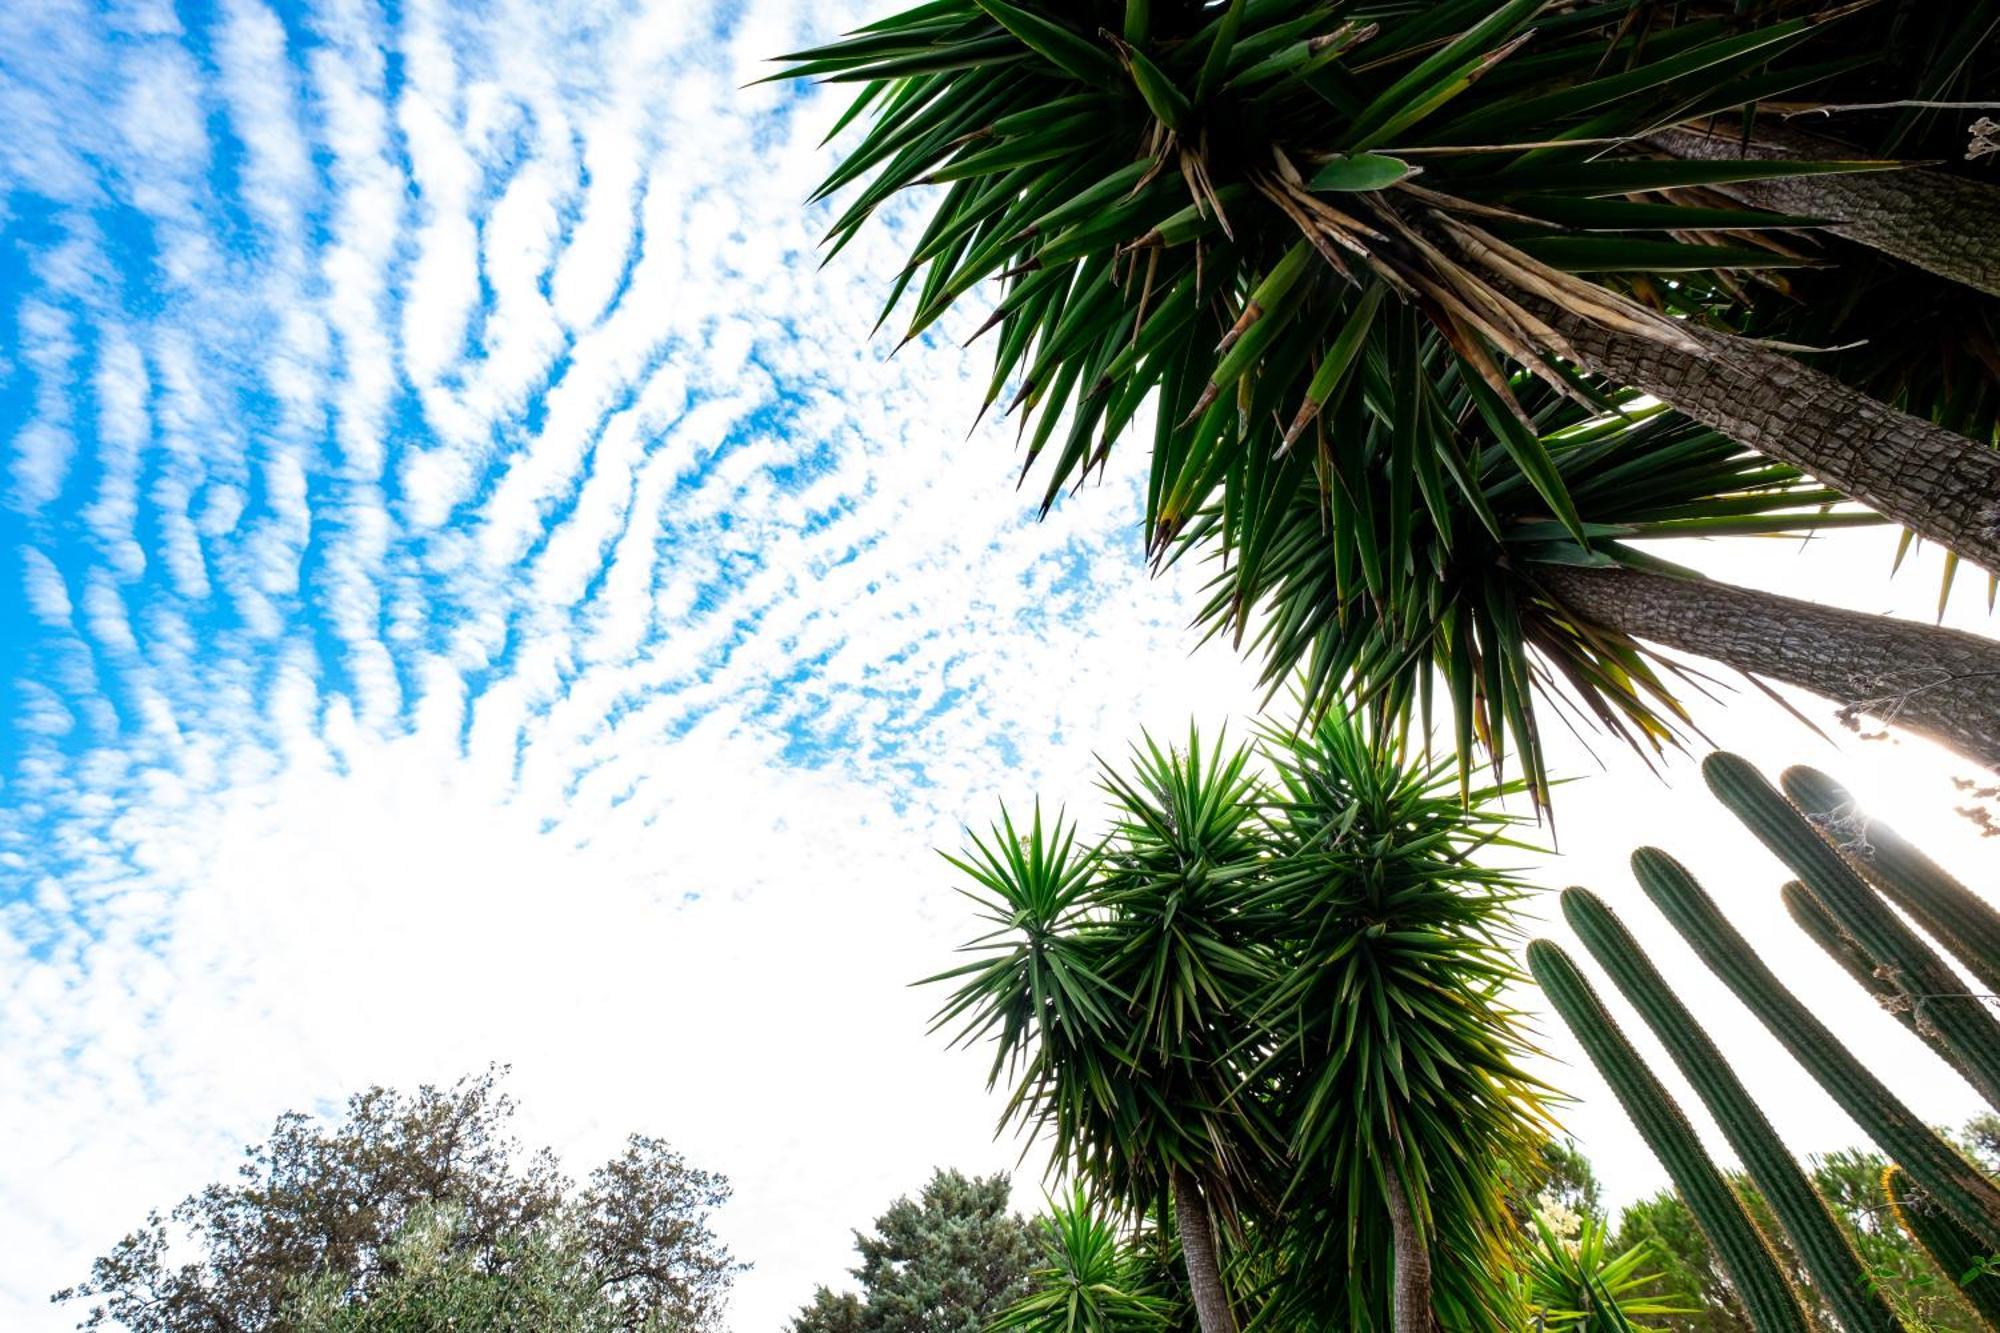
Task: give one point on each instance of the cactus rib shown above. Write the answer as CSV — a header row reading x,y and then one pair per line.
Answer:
x,y
1835,1268
1966,1025
1958,1254
1745,1253
1811,916
1898,1131
1953,915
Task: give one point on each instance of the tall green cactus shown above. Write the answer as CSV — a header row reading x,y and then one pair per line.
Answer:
x,y
1759,1282
1952,914
1811,916
1960,1257
1965,1024
1836,1270
1898,1131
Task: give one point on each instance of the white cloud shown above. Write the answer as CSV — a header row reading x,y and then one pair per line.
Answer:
x,y
521,619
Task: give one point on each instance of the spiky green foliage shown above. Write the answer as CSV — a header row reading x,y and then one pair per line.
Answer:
x,y
1964,1022
1883,1116
1390,1039
1583,1284
1119,978
1919,342
1963,1259
1835,1268
1384,578
1316,233
1746,1254
1811,916
1952,914
1232,175
1095,1276
1278,981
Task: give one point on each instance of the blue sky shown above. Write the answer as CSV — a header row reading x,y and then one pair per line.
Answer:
x,y
468,591
464,575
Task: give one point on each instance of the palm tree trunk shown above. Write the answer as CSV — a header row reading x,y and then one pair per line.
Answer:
x,y
1204,1270
1931,219
1413,1259
1939,683
1933,481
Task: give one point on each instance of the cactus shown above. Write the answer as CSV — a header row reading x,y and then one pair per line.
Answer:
x,y
1766,1296
1950,913
1933,1163
1836,1270
1958,1254
1818,923
1965,1025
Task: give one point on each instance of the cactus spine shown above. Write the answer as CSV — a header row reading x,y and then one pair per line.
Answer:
x,y
1744,1252
1952,914
1811,916
1958,1254
1899,1132
1965,1025
1836,1270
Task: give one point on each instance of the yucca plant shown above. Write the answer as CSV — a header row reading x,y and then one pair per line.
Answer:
x,y
1392,498
1385,569
1922,334
1095,1276
1118,982
1217,200
1583,1285
1395,1061
1269,1005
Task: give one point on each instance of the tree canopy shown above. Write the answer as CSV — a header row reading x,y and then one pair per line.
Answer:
x,y
943,1262
427,1200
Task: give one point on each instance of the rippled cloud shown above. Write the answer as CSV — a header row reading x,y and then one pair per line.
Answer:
x,y
470,590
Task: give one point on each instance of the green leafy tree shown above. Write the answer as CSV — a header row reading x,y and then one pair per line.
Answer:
x,y
1560,1178
325,1207
538,1282
1690,1274
944,1262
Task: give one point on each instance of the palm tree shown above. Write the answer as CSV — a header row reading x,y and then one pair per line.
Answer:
x,y
1270,1008
1214,202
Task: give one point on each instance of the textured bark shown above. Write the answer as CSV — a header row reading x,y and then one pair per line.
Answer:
x,y
1413,1259
1204,1270
1932,219
1933,481
1939,683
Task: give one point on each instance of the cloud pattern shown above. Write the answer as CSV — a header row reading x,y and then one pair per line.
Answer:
x,y
469,590
454,531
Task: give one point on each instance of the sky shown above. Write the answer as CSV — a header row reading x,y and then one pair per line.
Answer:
x,y
471,590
